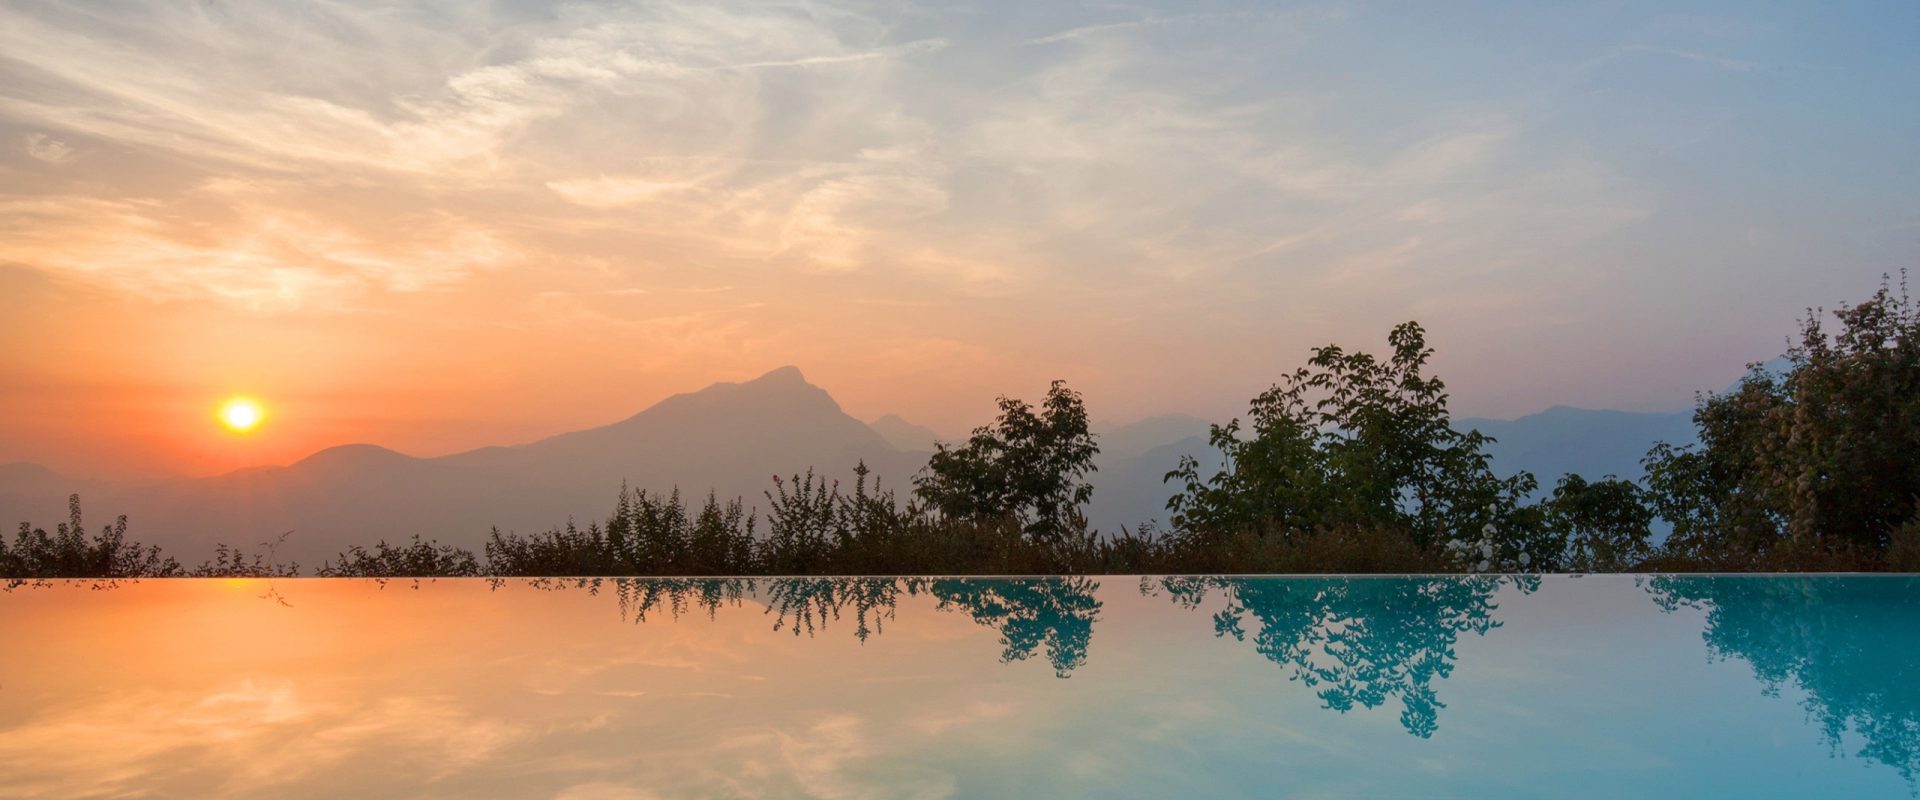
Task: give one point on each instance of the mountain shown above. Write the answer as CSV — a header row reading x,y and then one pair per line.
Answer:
x,y
1590,443
730,438
904,435
1131,490
1134,440
1128,486
24,477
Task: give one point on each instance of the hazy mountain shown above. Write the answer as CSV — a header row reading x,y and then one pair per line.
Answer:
x,y
24,477
1133,440
1590,443
1129,488
731,438
1130,491
904,435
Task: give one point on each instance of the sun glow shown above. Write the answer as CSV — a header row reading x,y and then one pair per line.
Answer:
x,y
241,414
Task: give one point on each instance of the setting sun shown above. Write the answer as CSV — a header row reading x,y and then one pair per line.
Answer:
x,y
241,414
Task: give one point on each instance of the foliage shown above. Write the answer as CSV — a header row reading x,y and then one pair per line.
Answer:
x,y
70,553
1350,441
1350,464
1027,465
1599,526
233,562
1823,457
416,559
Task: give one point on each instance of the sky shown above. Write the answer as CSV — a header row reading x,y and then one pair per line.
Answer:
x,y
440,226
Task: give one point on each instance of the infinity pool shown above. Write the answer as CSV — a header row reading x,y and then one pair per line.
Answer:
x,y
1476,687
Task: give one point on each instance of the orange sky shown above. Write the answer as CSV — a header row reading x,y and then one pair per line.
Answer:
x,y
438,229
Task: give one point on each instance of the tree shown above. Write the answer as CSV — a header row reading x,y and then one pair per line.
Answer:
x,y
1351,440
1825,455
1029,464
69,552
1602,526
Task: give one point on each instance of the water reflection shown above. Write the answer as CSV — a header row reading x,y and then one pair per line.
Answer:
x,y
1357,641
1030,614
1850,644
883,687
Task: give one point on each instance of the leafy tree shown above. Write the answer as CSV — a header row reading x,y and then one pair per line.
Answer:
x,y
1029,464
1821,457
1351,441
1601,526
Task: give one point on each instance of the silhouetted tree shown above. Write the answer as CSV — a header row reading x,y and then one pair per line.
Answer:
x,y
1825,455
1351,440
1029,464
70,553
1599,526
413,560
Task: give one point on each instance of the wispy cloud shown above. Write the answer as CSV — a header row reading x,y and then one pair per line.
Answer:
x,y
893,174
47,149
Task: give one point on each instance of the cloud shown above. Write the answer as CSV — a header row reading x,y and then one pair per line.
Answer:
x,y
42,147
235,740
253,254
1084,31
1729,64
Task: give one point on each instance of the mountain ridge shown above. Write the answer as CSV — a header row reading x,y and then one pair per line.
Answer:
x,y
728,438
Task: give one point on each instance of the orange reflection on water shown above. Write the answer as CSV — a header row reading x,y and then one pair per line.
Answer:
x,y
207,688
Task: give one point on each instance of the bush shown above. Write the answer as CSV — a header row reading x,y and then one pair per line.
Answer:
x,y
416,559
70,553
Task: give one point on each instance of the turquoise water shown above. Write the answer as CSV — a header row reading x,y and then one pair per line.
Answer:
x,y
1428,687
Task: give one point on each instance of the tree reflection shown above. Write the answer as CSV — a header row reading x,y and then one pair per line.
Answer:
x,y
1029,612
1359,642
810,603
1851,644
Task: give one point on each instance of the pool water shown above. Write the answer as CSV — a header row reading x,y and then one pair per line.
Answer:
x,y
1427,687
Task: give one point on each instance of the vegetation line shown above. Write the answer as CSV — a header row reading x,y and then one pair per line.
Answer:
x,y
1350,464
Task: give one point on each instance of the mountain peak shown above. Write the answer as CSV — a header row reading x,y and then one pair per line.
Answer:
x,y
353,455
786,374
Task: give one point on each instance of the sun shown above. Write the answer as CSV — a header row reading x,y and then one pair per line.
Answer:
x,y
241,414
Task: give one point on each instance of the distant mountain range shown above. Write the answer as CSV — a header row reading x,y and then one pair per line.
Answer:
x,y
1590,443
730,438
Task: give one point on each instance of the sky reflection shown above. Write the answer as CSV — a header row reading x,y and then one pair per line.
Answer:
x,y
950,687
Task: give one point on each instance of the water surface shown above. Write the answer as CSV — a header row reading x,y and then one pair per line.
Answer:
x,y
1429,687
